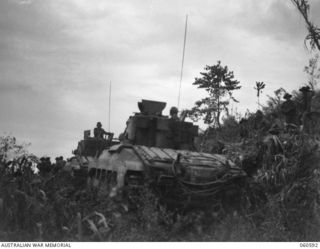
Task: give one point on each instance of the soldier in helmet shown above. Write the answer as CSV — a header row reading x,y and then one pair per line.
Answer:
x,y
174,128
174,113
259,122
289,110
99,131
307,95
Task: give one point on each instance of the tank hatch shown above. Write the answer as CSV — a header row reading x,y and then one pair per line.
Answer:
x,y
150,107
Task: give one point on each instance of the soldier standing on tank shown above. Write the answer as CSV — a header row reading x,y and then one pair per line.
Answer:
x,y
289,110
99,131
174,128
174,113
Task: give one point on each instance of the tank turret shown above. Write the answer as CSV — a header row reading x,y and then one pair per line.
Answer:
x,y
150,128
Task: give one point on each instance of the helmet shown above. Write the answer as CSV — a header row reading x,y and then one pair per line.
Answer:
x,y
99,124
173,110
305,89
287,96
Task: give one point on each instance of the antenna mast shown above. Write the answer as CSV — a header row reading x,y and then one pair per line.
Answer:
x,y
184,47
109,106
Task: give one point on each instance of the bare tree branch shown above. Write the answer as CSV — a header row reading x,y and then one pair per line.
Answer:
x,y
314,32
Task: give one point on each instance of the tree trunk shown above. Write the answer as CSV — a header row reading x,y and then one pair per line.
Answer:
x,y
218,118
218,112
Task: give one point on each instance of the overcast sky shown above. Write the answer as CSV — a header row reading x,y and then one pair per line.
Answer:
x,y
57,58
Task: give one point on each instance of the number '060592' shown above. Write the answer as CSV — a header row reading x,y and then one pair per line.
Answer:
x,y
310,245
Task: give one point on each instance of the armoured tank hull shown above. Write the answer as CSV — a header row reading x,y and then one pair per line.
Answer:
x,y
176,175
159,152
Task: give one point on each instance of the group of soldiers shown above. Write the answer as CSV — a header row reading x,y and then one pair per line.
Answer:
x,y
46,167
292,116
295,116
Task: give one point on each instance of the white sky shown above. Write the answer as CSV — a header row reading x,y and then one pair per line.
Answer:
x,y
57,58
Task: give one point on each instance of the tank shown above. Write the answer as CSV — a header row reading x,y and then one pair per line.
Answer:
x,y
159,151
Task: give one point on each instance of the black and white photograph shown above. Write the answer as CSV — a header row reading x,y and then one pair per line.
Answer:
x,y
159,121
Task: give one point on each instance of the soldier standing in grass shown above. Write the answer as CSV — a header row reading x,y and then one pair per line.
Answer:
x,y
260,123
289,110
307,115
244,128
307,95
59,165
